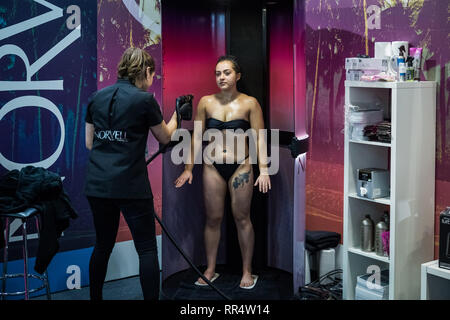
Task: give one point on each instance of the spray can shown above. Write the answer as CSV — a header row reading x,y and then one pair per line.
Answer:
x,y
409,69
401,63
402,71
367,234
381,227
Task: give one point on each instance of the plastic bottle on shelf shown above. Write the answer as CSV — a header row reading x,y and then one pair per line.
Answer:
x,y
381,227
401,63
367,234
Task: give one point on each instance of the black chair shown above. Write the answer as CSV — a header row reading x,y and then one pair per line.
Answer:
x,y
24,216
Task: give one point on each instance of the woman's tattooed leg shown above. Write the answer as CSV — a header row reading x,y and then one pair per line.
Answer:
x,y
241,179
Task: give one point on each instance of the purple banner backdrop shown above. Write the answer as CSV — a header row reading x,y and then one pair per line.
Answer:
x,y
129,23
48,70
337,29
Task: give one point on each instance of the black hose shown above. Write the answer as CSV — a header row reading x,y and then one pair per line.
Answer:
x,y
189,260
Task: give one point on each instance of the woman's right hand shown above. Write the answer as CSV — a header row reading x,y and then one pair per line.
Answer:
x,y
185,176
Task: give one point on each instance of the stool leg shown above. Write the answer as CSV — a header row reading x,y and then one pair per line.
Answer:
x,y
25,257
47,286
5,256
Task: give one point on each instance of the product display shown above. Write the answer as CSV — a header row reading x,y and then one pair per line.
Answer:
x,y
367,234
444,239
373,183
391,63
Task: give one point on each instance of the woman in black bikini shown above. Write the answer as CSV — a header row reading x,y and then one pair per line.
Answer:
x,y
229,109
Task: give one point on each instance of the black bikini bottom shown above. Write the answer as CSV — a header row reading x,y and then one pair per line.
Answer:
x,y
226,170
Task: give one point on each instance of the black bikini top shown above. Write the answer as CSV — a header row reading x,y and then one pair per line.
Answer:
x,y
212,123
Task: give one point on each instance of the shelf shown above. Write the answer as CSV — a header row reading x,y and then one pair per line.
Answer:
x,y
371,255
391,85
437,286
372,143
385,201
409,105
433,268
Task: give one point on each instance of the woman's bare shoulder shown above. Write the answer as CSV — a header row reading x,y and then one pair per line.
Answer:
x,y
249,101
208,99
205,102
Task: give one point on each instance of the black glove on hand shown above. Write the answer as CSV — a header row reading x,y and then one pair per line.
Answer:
x,y
184,108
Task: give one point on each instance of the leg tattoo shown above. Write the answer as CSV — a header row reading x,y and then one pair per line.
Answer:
x,y
241,179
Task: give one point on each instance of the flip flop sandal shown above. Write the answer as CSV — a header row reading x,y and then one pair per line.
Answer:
x,y
255,279
216,275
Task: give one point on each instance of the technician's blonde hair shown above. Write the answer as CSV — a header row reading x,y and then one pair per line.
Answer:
x,y
133,64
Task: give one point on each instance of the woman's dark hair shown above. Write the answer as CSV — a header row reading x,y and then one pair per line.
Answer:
x,y
233,60
133,64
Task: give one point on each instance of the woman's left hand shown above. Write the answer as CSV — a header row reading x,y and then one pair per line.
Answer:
x,y
264,183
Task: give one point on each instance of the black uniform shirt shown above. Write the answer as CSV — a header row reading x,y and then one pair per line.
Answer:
x,y
121,115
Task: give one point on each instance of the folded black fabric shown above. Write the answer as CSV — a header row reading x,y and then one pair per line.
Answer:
x,y
320,240
327,239
321,236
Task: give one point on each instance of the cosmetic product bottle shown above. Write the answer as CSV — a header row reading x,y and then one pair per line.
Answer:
x,y
409,69
401,64
380,228
367,234
402,71
417,54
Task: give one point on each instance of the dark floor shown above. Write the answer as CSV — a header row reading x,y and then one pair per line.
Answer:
x,y
123,289
272,284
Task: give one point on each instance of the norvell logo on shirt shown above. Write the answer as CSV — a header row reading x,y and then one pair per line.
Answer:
x,y
111,135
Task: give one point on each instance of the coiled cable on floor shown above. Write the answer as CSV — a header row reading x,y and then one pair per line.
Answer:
x,y
329,291
189,260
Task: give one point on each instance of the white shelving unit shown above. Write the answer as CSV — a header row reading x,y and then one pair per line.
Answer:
x,y
410,158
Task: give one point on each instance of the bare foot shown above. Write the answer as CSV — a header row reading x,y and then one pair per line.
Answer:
x,y
209,274
247,280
